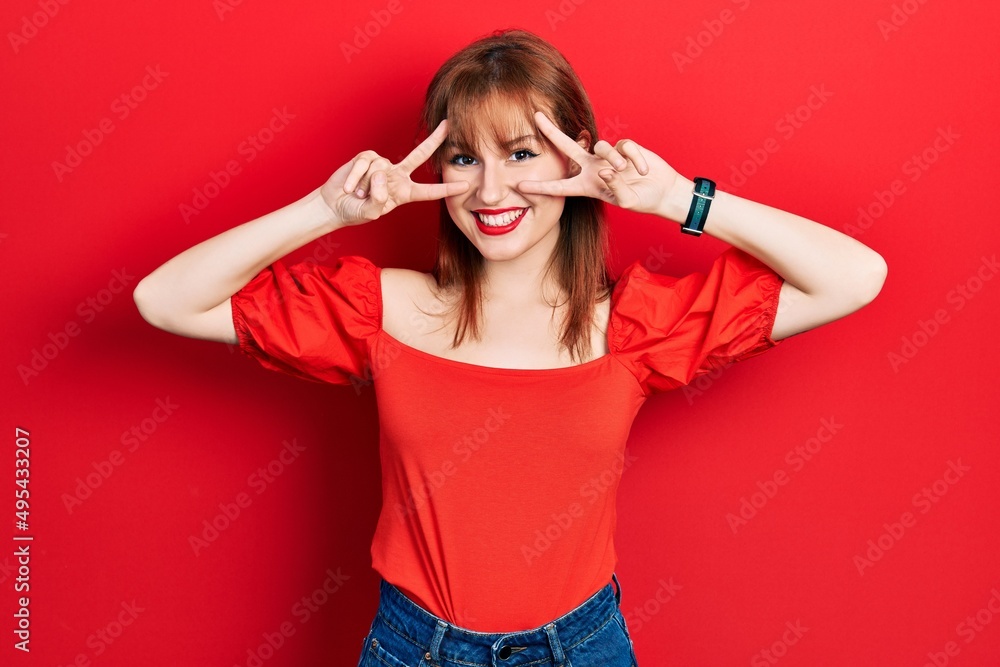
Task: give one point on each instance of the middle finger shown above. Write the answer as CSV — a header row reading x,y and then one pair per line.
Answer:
x,y
634,152
358,170
608,152
378,164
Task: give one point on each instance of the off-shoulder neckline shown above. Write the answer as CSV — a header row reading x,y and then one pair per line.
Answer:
x,y
464,365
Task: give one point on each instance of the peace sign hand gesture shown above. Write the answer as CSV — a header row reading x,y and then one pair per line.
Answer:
x,y
626,174
369,186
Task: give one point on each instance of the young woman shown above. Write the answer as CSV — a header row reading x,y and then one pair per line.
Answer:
x,y
507,379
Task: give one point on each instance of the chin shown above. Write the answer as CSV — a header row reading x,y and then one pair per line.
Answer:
x,y
494,254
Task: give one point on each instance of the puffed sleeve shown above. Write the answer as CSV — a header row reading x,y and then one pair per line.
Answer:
x,y
671,330
311,321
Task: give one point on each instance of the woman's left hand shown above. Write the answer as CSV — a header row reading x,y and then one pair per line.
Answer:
x,y
625,174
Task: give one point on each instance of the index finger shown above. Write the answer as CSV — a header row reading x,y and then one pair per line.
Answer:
x,y
559,138
429,191
425,148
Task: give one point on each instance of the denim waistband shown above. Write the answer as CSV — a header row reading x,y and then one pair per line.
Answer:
x,y
448,641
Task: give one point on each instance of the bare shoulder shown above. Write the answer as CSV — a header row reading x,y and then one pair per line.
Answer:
x,y
403,290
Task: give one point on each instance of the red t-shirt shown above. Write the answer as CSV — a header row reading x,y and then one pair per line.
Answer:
x,y
499,485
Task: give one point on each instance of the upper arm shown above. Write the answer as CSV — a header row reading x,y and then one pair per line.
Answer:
x,y
798,311
214,324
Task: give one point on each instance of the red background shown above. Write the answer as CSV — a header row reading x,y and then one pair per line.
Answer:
x,y
698,454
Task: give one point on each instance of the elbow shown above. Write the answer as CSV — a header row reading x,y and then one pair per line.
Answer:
x,y
879,272
872,279
143,303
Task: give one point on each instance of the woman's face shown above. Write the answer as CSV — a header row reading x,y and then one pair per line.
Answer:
x,y
500,221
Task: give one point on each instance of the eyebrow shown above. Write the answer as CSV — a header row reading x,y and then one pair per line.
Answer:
x,y
449,144
523,137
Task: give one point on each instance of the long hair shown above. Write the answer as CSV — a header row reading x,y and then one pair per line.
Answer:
x,y
517,70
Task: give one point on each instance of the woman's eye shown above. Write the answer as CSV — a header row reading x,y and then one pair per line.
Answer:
x,y
519,156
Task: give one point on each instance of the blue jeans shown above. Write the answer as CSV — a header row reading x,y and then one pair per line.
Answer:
x,y
404,634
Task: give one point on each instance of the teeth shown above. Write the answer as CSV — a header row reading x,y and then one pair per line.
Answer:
x,y
500,220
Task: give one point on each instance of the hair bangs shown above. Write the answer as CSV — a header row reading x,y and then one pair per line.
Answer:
x,y
484,116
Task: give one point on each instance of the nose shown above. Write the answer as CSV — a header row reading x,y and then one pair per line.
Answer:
x,y
493,186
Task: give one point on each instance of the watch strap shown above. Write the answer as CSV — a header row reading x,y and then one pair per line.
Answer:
x,y
701,200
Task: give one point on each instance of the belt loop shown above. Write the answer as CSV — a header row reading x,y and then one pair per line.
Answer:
x,y
433,656
618,590
557,651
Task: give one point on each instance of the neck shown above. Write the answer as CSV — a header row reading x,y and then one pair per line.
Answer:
x,y
519,281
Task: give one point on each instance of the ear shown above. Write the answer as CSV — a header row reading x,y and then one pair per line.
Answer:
x,y
584,140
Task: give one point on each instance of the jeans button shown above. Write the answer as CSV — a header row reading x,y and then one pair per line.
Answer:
x,y
504,653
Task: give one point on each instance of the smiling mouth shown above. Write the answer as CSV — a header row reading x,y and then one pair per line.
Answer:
x,y
500,220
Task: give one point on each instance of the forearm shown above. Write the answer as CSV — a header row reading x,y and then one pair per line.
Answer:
x,y
207,274
818,260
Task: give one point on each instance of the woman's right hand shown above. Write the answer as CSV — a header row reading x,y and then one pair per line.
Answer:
x,y
369,186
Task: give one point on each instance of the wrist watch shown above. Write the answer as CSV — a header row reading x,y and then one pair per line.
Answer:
x,y
703,194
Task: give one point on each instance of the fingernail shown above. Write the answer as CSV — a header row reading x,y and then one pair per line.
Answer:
x,y
360,192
